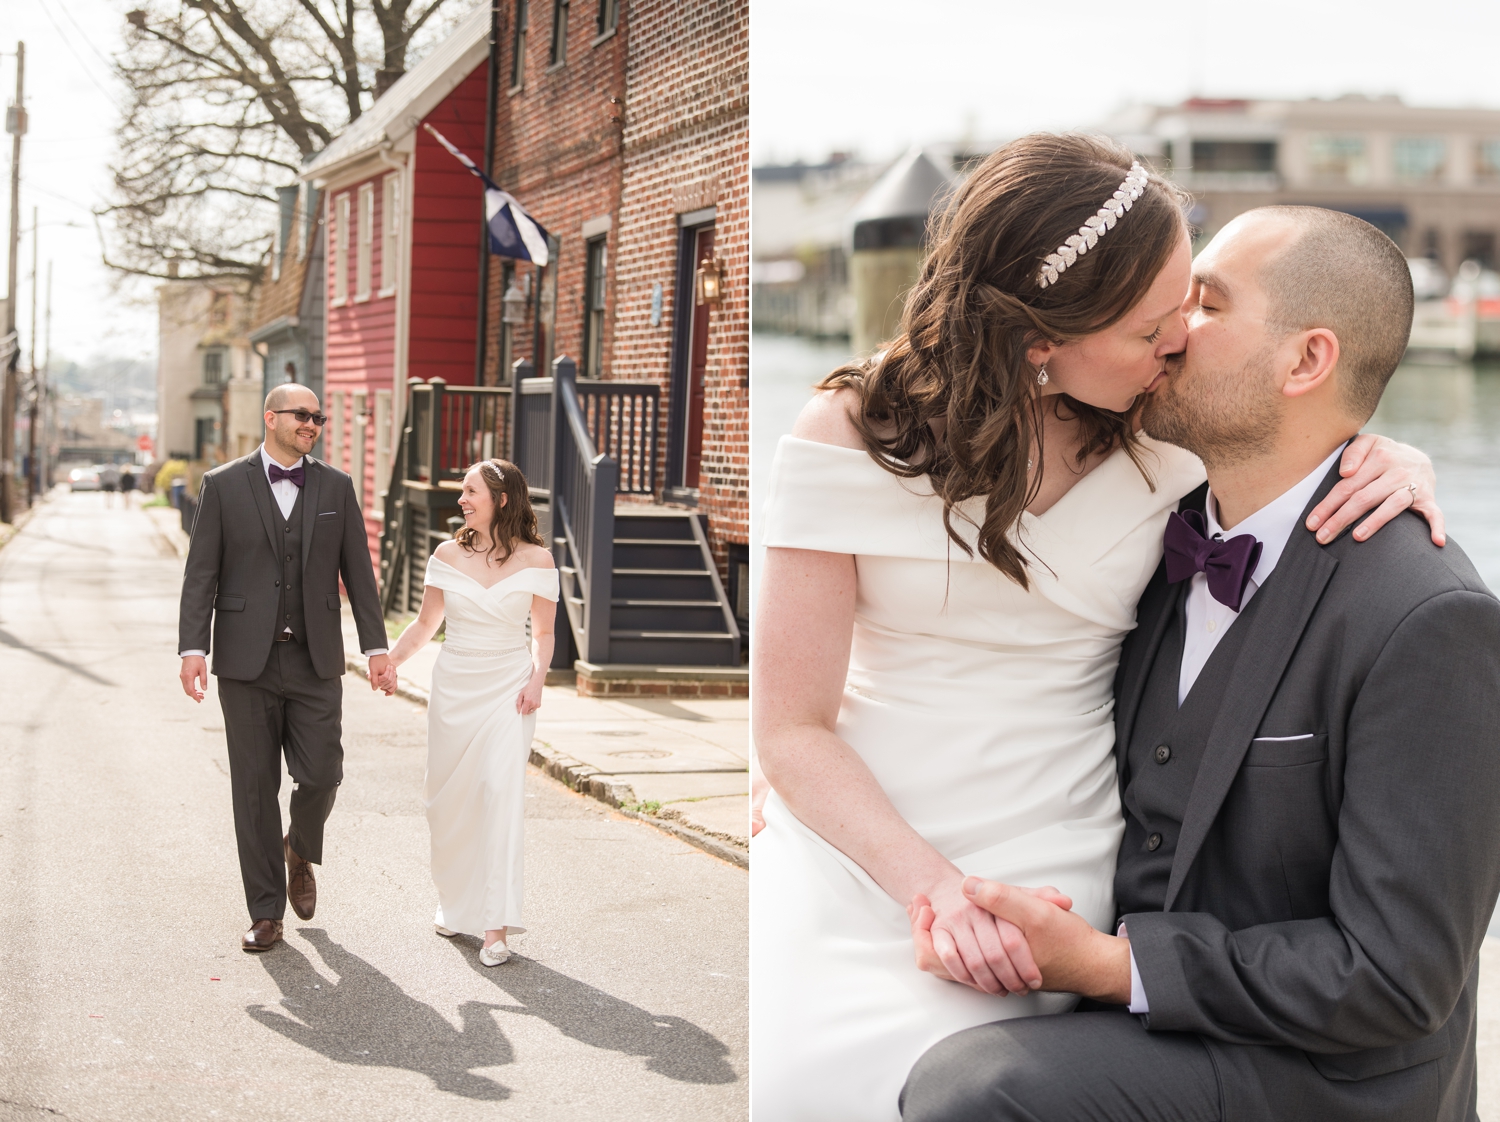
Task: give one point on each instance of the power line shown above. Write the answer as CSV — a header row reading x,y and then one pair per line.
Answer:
x,y
87,71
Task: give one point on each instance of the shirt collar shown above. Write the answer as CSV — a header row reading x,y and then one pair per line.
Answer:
x,y
1272,524
266,461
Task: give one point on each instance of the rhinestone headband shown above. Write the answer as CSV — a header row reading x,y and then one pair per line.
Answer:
x,y
1091,231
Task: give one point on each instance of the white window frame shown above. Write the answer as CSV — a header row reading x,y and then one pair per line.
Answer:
x,y
390,226
365,231
339,252
357,425
335,430
382,449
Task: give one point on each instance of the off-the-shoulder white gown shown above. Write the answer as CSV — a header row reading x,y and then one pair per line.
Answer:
x,y
477,746
985,711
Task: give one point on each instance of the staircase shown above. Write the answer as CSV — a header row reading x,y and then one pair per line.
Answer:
x,y
667,607
640,587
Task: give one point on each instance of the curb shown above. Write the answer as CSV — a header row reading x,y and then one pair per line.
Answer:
x,y
587,780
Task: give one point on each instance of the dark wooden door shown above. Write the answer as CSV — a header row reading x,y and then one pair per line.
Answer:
x,y
703,251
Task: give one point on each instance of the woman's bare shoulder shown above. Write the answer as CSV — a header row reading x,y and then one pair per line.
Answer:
x,y
534,556
448,552
829,419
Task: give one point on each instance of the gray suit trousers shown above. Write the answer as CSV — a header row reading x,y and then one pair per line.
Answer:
x,y
288,711
1100,1067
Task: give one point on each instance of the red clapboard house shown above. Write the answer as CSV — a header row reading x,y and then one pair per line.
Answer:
x,y
402,254
615,374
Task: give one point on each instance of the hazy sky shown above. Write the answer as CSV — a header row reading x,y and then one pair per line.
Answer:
x,y
878,76
826,74
73,107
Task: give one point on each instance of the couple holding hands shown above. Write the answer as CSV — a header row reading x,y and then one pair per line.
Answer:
x,y
276,532
1102,672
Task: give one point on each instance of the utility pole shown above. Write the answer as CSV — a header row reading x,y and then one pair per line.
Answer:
x,y
15,124
33,397
49,415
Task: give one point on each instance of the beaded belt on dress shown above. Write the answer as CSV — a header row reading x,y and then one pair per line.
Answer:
x,y
483,654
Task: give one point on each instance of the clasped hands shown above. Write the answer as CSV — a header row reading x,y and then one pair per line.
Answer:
x,y
383,674
1001,939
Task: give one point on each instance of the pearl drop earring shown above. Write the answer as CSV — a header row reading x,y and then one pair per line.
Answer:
x,y
1041,376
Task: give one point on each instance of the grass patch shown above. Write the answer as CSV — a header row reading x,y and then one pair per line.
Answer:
x,y
650,806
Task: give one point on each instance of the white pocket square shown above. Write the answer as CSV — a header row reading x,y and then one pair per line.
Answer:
x,y
1302,736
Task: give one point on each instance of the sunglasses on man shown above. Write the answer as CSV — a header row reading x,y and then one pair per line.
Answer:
x,y
303,416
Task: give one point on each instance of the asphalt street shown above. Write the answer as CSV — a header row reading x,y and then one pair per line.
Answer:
x,y
123,994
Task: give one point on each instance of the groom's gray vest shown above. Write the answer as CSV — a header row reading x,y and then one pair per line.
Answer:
x,y
289,610
1161,762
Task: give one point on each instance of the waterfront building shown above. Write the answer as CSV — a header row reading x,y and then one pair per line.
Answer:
x,y
1428,177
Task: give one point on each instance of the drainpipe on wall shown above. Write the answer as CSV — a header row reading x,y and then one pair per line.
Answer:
x,y
492,94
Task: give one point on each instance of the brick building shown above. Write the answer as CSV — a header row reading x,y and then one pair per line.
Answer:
x,y
624,129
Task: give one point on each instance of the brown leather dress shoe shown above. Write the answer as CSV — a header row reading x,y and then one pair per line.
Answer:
x,y
301,887
262,936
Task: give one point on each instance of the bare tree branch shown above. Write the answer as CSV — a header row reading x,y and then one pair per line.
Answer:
x,y
227,99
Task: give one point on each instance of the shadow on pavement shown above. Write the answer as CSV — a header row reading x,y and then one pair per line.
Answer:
x,y
674,1047
366,1019
9,640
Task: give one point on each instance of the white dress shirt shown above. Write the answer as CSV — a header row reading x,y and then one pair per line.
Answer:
x,y
285,493
1206,620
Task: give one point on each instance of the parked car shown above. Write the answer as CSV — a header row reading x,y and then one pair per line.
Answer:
x,y
84,479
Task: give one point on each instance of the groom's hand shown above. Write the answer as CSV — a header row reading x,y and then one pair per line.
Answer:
x,y
194,676
922,915
1072,956
382,674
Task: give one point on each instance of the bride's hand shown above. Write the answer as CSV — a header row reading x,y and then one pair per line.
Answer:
x,y
1377,474
529,700
960,942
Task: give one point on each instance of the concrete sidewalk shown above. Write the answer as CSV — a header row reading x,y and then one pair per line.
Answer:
x,y
682,764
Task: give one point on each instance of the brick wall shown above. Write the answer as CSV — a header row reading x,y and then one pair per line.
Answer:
x,y
687,148
679,143
557,149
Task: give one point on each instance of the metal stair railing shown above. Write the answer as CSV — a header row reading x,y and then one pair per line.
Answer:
x,y
584,483
447,429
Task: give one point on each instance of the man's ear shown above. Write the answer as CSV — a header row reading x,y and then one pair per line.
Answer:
x,y
1317,357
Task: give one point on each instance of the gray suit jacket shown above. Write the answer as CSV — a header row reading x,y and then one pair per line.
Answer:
x,y
233,565
1331,894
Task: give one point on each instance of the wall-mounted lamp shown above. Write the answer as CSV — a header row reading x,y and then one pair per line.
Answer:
x,y
709,281
513,306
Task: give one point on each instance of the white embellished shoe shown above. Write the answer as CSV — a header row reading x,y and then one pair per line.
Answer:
x,y
494,954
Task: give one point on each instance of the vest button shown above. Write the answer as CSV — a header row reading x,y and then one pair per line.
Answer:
x,y
1153,843
278,584
1163,753
289,529
289,620
288,556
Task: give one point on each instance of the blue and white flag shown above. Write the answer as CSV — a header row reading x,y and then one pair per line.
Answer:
x,y
513,232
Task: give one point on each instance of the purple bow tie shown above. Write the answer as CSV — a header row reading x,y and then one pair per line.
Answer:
x,y
296,474
1226,564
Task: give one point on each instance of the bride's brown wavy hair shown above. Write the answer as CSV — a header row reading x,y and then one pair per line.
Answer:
x,y
514,519
960,360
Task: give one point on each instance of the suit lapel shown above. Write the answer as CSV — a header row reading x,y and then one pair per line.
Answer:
x,y
1158,604
1291,593
259,487
312,475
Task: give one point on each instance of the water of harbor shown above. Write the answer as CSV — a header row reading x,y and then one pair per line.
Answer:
x,y
1450,410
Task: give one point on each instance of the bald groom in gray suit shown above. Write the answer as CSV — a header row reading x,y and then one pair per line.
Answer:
x,y
275,532
1308,741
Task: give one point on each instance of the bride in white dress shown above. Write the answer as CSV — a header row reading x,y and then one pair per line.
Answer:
x,y
939,627
486,689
